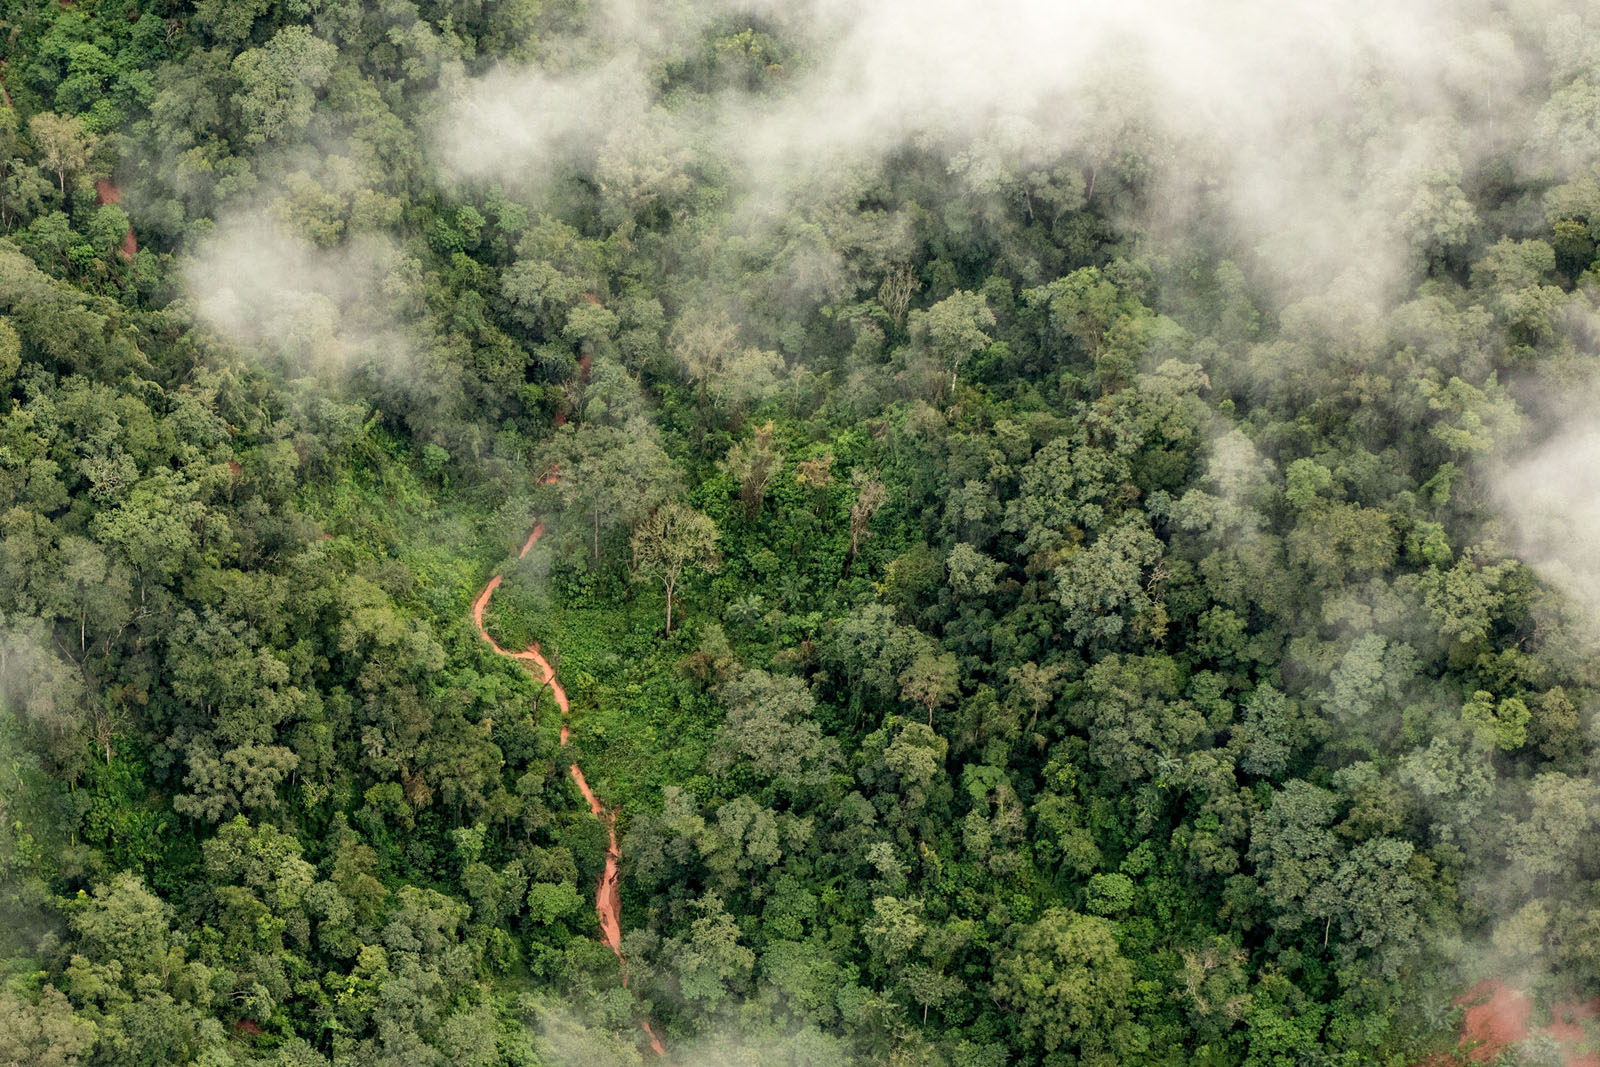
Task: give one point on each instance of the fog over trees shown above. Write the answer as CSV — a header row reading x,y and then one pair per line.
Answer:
x,y
577,532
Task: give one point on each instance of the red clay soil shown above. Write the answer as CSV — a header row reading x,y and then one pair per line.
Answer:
x,y
1498,1017
584,363
607,896
106,191
654,1042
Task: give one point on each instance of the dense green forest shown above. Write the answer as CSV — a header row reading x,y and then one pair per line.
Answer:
x,y
1057,583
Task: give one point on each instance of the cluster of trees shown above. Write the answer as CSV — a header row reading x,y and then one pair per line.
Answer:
x,y
1005,642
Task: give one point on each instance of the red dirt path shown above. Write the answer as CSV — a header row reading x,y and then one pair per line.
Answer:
x,y
106,191
607,896
1499,1016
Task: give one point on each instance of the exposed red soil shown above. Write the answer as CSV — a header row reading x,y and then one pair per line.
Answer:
x,y
533,538
584,363
654,1042
607,894
106,191
1499,1016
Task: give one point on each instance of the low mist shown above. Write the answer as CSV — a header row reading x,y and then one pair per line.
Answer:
x,y
1325,141
321,311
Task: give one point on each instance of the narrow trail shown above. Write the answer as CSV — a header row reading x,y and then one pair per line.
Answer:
x,y
107,192
607,894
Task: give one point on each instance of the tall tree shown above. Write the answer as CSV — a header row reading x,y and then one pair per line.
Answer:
x,y
671,541
65,147
753,464
1066,980
953,329
871,495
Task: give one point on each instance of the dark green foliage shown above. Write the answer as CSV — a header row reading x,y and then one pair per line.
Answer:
x,y
1001,640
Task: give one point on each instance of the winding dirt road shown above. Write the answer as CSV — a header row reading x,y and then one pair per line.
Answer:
x,y
607,898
